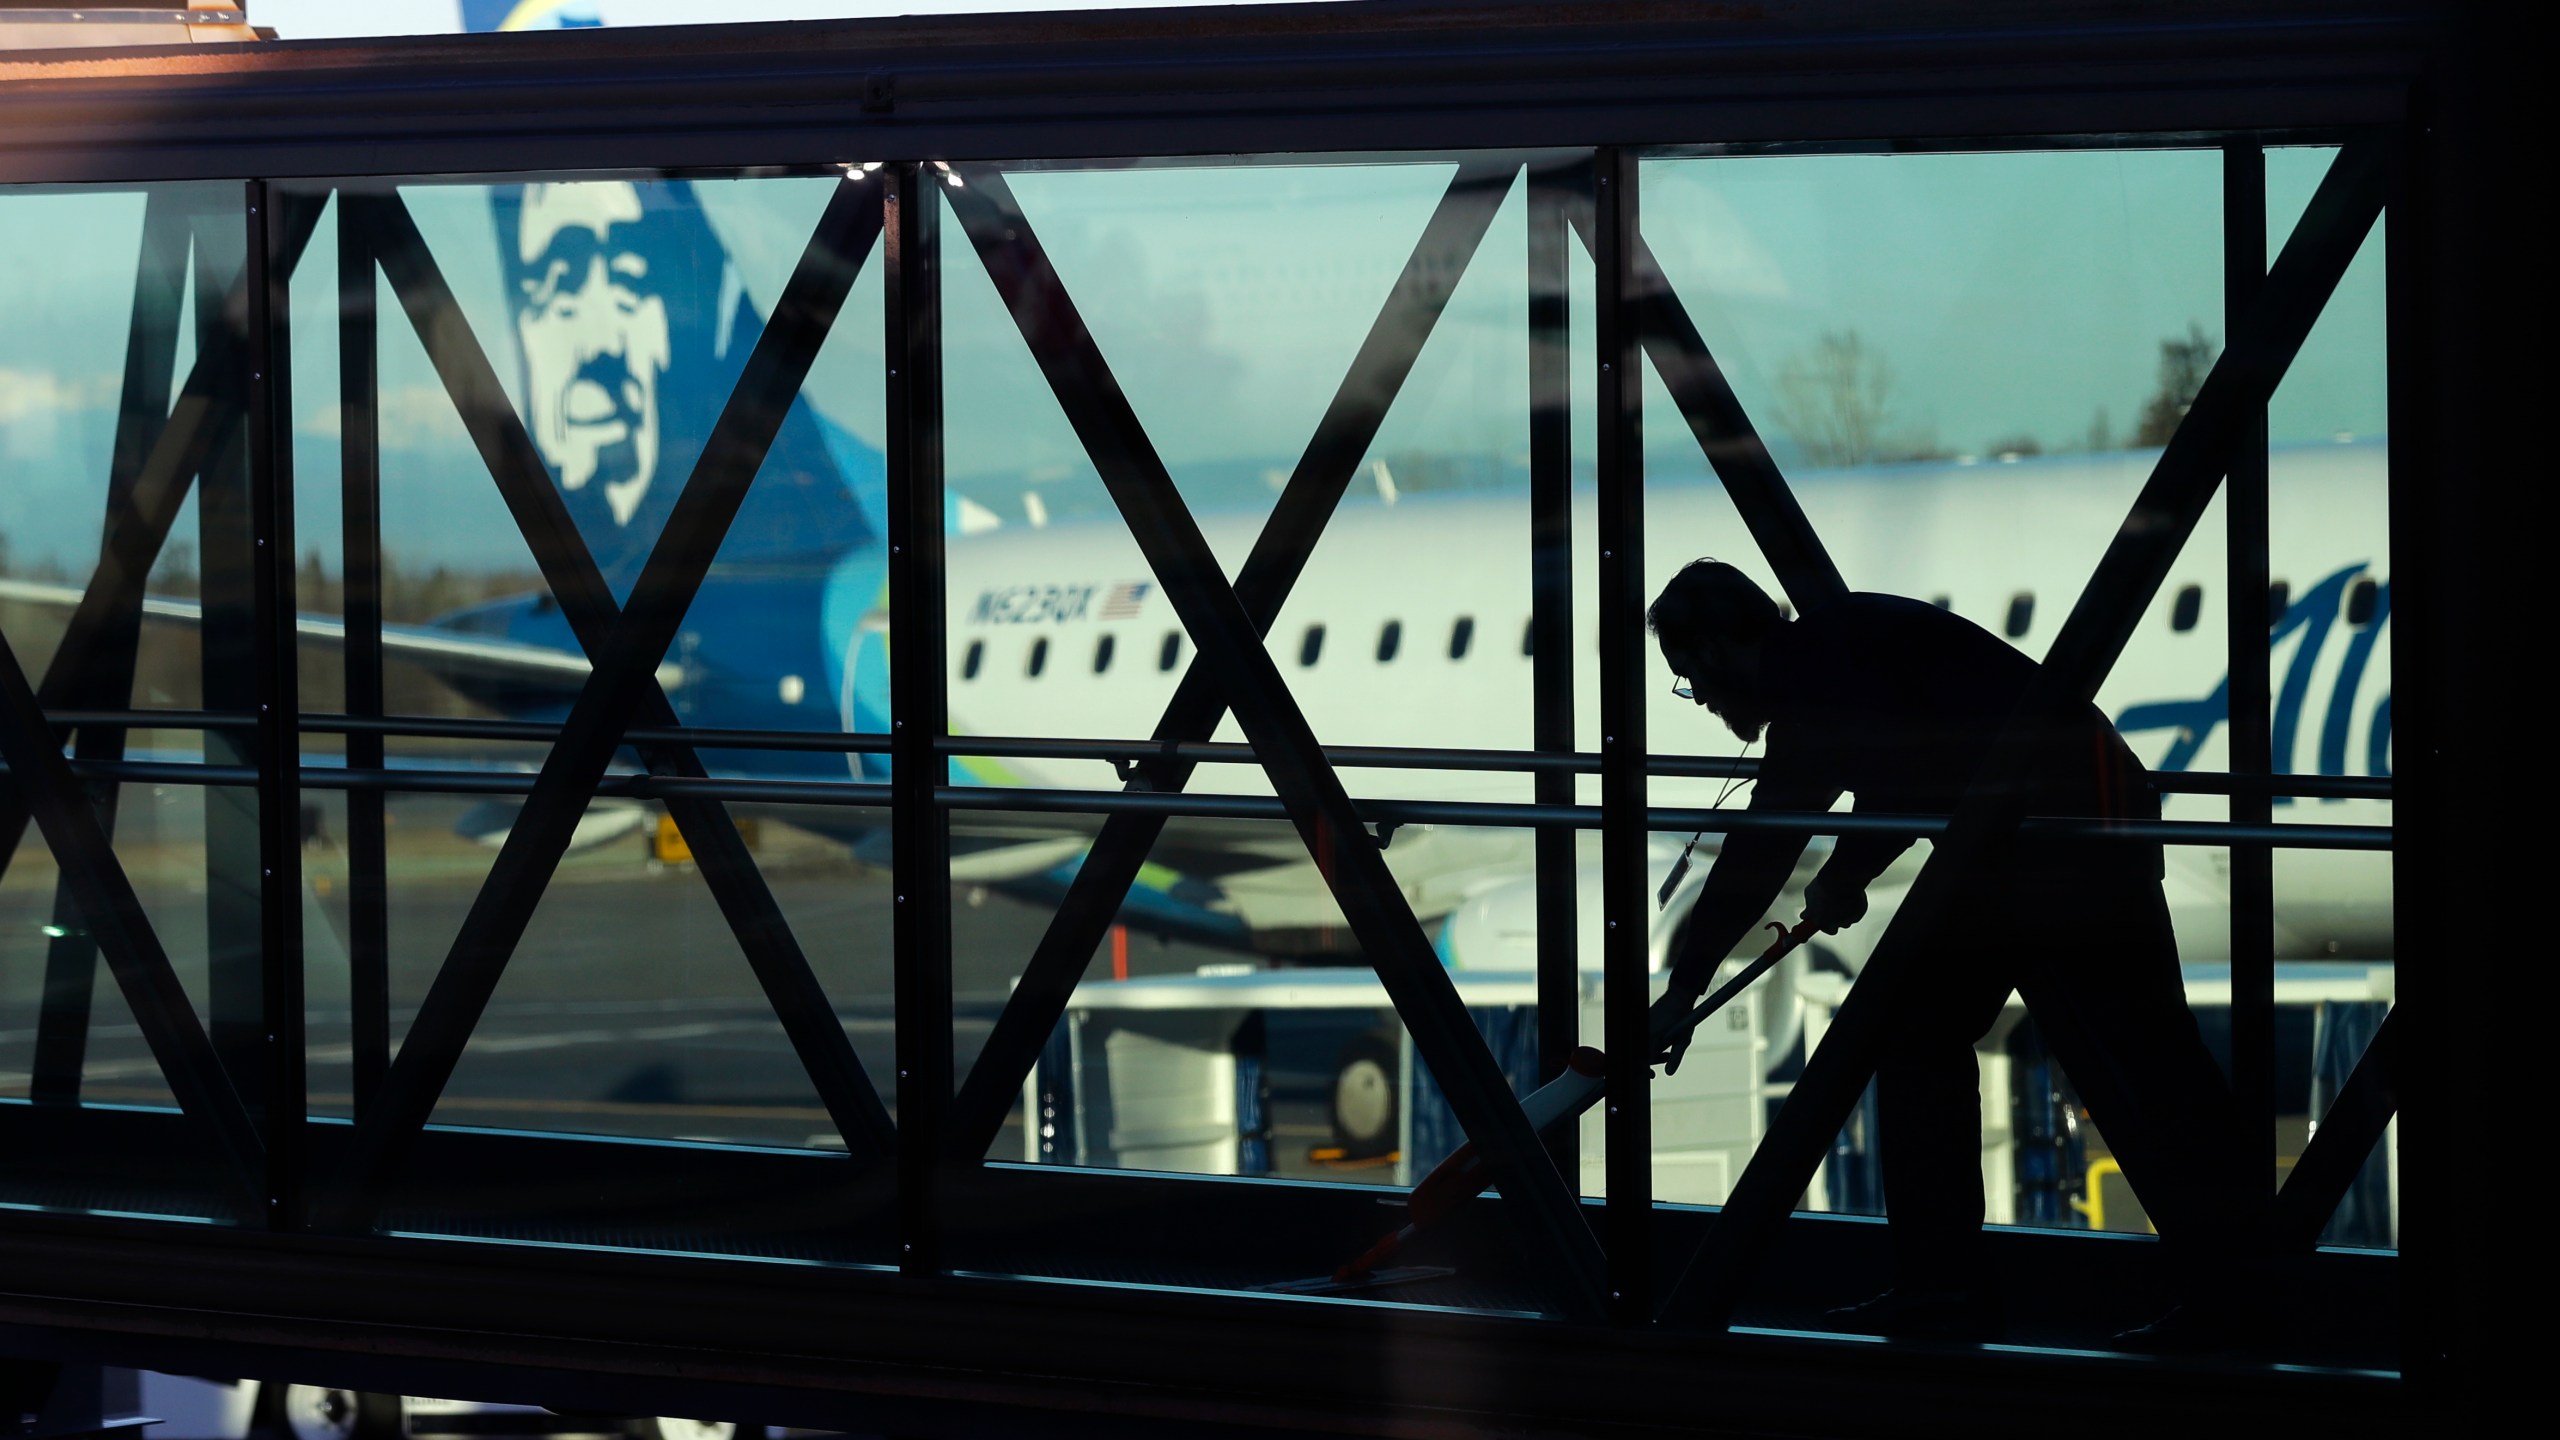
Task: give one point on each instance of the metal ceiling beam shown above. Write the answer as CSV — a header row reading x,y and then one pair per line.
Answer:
x,y
1207,81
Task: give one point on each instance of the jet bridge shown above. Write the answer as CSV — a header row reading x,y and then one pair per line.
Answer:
x,y
758,1153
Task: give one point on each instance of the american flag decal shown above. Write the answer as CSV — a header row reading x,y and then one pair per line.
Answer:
x,y
1125,598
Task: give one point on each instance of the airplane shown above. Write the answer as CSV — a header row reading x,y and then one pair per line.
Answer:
x,y
1409,627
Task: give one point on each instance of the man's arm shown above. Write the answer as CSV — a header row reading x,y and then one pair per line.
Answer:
x,y
1837,895
1750,869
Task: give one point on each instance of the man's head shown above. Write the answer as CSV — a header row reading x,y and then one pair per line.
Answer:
x,y
1711,622
592,321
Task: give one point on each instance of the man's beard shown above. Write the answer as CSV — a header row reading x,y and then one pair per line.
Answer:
x,y
1743,715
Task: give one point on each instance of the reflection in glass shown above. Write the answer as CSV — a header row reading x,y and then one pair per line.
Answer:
x,y
124,587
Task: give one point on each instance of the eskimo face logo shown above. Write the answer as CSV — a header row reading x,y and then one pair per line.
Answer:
x,y
595,336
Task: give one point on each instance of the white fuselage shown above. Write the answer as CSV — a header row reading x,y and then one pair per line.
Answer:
x,y
1995,541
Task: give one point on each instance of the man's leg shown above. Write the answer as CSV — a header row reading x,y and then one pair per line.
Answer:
x,y
2114,1007
1929,1119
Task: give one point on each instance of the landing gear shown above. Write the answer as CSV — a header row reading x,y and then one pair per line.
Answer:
x,y
325,1412
666,1427
1365,1113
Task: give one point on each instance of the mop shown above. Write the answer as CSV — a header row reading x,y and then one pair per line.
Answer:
x,y
1466,1172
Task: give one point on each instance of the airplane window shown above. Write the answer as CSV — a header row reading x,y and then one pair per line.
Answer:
x,y
2022,613
969,662
1462,635
2363,598
1039,657
1390,636
1945,602
1167,657
2184,609
2279,595
1529,638
1102,654
1311,646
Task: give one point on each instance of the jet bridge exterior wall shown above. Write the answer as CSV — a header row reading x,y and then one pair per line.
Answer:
x,y
240,1221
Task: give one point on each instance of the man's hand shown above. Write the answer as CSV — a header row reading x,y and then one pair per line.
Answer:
x,y
1833,910
1675,1005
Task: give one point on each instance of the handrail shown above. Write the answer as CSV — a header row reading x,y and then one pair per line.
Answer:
x,y
1132,753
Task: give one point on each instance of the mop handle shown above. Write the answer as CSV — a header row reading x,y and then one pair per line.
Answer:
x,y
1463,1175
1787,940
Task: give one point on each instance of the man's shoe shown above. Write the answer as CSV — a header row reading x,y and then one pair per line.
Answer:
x,y
2189,1329
1908,1314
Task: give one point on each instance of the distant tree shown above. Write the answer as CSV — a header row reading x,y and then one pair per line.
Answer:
x,y
175,572
1831,398
2102,432
2184,362
317,587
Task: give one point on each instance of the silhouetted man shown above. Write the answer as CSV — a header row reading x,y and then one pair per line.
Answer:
x,y
1900,704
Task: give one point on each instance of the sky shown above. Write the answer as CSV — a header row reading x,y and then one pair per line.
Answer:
x,y
2002,295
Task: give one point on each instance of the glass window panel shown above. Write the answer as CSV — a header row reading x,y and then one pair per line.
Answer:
x,y
629,1014
1226,1026
1965,397
115,292
1230,301
2329,513
617,316
1966,420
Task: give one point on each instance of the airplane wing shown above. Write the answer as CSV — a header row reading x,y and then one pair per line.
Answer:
x,y
447,654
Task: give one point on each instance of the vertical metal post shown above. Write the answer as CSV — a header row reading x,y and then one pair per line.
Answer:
x,y
235,996
150,360
2253,972
2442,550
360,478
1551,623
921,835
269,400
1618,398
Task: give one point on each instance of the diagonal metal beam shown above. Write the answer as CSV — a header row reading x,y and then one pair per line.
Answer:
x,y
1723,429
1440,257
204,419
626,645
113,913
360,568
2182,483
1558,1245
2338,1149
150,358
